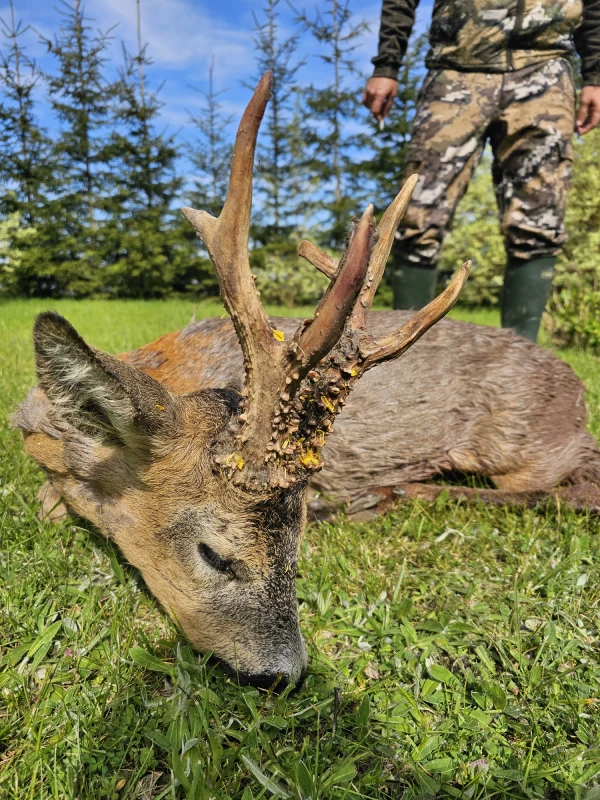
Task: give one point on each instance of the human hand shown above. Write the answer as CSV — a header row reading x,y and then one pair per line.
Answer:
x,y
588,115
379,95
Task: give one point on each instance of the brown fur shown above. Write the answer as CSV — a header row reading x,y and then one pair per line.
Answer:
x,y
202,482
129,444
157,510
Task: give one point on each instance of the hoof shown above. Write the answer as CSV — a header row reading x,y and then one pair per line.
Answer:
x,y
364,502
581,497
52,508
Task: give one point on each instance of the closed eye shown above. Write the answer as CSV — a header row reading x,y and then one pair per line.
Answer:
x,y
214,560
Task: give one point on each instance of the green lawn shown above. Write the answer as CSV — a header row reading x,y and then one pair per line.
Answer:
x,y
454,650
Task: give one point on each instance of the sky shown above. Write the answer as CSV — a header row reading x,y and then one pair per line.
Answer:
x,y
183,37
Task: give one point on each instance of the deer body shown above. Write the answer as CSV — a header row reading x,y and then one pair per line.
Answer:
x,y
465,398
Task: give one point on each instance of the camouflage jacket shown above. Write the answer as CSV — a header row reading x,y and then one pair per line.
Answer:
x,y
494,36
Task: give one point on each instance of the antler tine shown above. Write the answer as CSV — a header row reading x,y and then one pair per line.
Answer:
x,y
297,440
226,239
394,344
325,263
386,231
338,301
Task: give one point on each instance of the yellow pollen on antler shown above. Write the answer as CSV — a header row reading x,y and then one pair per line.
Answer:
x,y
234,459
310,459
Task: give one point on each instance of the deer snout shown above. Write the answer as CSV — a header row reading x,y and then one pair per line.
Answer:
x,y
288,670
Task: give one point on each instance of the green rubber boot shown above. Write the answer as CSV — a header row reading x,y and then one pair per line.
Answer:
x,y
413,286
527,287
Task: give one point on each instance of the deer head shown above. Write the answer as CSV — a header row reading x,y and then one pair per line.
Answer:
x,y
204,493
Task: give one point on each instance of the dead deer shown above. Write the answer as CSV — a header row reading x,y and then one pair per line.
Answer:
x,y
195,453
465,399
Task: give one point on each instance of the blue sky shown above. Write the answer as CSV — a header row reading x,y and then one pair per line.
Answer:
x,y
184,35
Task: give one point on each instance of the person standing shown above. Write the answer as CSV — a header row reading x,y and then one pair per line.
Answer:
x,y
498,73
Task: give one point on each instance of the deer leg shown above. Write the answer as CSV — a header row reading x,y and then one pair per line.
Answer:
x,y
580,497
370,504
373,502
496,497
365,507
580,490
52,508
362,508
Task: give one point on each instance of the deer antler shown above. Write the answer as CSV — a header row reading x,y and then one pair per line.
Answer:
x,y
323,262
226,240
293,390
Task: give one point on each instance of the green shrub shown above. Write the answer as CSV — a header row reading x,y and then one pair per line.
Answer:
x,y
573,317
285,279
476,235
12,238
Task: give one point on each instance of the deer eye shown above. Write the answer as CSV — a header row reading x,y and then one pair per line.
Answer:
x,y
214,560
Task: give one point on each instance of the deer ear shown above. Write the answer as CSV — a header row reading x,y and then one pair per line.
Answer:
x,y
96,392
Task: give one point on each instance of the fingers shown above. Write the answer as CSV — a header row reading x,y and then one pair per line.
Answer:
x,y
582,116
379,95
595,119
375,102
591,120
588,116
388,104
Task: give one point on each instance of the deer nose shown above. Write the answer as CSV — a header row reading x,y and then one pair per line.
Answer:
x,y
286,671
275,682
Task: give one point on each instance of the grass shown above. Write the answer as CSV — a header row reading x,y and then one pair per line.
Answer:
x,y
454,649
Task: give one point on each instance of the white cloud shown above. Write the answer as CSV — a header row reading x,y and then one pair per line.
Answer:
x,y
180,34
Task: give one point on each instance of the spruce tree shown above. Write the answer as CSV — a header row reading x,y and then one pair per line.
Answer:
x,y
210,154
212,149
23,143
82,99
148,252
280,146
149,178
26,174
333,108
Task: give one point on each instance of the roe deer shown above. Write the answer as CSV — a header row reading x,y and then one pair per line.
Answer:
x,y
466,398
195,452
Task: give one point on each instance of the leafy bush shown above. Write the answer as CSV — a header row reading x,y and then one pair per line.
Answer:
x,y
574,319
476,235
574,310
12,239
285,279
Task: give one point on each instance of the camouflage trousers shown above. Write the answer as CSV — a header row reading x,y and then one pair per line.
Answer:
x,y
528,118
